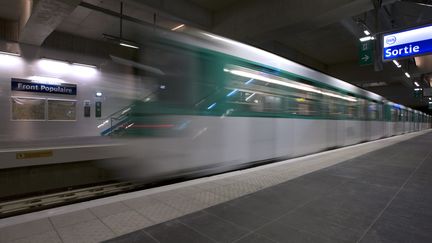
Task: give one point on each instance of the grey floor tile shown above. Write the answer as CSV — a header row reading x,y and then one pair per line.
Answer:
x,y
322,181
141,202
109,209
318,226
255,238
126,222
346,213
263,207
419,203
213,227
392,171
283,233
72,218
208,198
409,220
160,212
237,216
363,192
14,232
185,205
347,172
174,231
89,231
379,180
135,237
46,237
388,233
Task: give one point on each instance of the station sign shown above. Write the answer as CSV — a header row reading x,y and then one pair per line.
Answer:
x,y
413,42
27,85
366,53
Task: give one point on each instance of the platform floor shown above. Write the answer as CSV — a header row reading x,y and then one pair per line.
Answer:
x,y
372,192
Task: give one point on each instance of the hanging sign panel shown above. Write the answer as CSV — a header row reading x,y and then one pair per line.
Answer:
x,y
413,42
27,85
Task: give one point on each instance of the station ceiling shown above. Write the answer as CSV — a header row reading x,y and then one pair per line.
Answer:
x,y
323,35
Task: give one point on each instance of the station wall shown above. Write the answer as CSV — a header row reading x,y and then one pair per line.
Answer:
x,y
119,86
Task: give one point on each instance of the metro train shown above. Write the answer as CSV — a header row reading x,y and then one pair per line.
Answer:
x,y
220,105
193,102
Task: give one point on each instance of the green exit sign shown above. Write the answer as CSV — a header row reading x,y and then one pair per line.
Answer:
x,y
366,53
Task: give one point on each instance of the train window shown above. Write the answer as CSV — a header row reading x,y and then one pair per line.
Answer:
x,y
372,111
28,108
293,97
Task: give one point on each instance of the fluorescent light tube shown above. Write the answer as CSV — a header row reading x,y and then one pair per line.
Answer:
x,y
9,53
367,38
397,64
128,45
84,65
177,27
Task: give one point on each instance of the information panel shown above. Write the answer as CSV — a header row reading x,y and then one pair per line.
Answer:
x,y
61,110
28,108
413,42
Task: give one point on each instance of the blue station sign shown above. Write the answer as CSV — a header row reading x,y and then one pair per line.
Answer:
x,y
27,85
413,42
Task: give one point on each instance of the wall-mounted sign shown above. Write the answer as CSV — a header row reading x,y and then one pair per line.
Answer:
x,y
413,42
27,85
366,53
98,109
87,108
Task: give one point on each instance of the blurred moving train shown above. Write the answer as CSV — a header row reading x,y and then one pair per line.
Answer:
x,y
190,102
220,105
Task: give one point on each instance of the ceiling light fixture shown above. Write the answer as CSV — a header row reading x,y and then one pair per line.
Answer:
x,y
367,38
177,27
408,75
417,84
9,53
129,45
366,32
83,65
120,40
397,64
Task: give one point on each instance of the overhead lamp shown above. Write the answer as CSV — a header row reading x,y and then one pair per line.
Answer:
x,y
98,94
10,53
397,64
430,98
54,66
367,38
129,45
120,40
83,65
408,75
366,32
177,27
417,89
417,84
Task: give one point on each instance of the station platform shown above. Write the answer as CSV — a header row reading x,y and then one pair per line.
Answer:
x,y
377,191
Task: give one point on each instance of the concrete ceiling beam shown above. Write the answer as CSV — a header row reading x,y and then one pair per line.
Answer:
x,y
41,17
274,19
179,10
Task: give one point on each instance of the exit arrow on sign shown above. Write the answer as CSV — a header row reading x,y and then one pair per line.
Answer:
x,y
366,53
365,58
